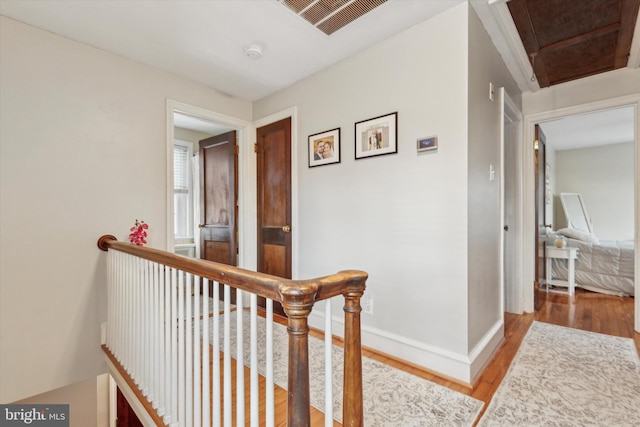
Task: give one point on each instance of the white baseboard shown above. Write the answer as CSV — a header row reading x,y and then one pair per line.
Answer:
x,y
484,350
460,367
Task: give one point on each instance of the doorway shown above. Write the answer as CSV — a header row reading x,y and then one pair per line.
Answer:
x,y
528,173
511,209
247,177
190,125
540,179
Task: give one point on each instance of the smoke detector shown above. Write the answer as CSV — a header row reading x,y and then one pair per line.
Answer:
x,y
253,51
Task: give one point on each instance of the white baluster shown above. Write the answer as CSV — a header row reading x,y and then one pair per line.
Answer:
x,y
188,357
181,350
174,346
131,308
131,320
255,397
135,312
215,355
167,339
227,357
127,299
153,339
139,312
328,366
239,359
117,328
119,320
206,381
270,403
145,344
123,300
160,343
197,407
153,378
110,296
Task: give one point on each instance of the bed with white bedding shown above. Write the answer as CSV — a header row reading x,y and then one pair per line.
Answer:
x,y
604,266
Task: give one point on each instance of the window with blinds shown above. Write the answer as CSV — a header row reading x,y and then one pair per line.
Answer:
x,y
182,191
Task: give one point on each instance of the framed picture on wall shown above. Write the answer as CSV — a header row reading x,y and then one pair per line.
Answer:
x,y
377,136
324,148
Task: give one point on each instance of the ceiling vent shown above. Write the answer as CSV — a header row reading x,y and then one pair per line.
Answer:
x,y
330,15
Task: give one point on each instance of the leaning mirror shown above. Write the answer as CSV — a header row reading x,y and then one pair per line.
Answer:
x,y
576,212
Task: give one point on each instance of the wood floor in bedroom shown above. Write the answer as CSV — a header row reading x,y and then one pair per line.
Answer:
x,y
588,311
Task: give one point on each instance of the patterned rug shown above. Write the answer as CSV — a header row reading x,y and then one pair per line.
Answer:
x,y
391,397
568,377
200,311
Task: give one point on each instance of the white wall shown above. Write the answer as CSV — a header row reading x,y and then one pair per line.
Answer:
x,y
83,153
604,177
613,84
402,217
485,235
192,136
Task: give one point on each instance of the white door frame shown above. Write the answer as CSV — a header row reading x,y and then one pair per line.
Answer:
x,y
244,130
510,113
529,187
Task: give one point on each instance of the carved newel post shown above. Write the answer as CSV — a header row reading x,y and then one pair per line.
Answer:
x,y
352,411
297,303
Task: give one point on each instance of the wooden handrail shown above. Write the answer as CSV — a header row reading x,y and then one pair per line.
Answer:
x,y
261,284
297,298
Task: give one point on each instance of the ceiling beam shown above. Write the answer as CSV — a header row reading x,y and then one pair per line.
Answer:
x,y
580,38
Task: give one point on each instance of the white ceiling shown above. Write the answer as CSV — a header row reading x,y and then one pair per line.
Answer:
x,y
199,125
204,40
604,127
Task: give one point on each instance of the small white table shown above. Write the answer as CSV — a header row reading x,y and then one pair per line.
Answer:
x,y
570,254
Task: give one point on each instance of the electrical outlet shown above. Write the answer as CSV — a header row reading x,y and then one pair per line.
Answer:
x,y
367,305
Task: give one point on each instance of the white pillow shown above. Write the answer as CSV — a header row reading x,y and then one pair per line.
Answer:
x,y
579,235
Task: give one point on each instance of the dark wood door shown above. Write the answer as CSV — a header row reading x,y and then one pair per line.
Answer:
x,y
219,199
273,145
125,415
540,206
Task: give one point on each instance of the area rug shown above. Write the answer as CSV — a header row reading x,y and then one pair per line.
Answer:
x,y
200,311
391,397
567,377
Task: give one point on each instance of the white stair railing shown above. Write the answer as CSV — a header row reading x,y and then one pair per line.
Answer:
x,y
168,334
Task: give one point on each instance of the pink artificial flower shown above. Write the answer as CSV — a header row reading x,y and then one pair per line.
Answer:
x,y
138,233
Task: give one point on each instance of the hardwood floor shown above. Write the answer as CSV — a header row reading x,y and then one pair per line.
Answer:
x,y
588,311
